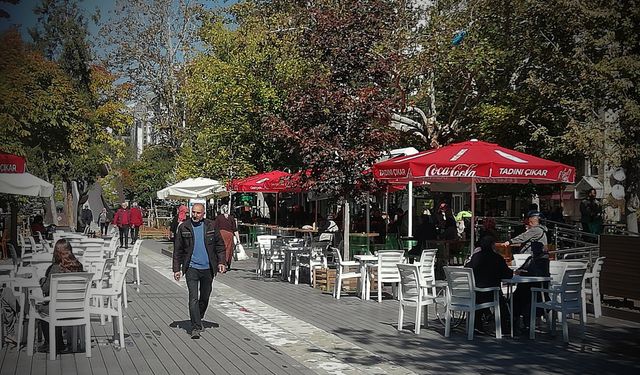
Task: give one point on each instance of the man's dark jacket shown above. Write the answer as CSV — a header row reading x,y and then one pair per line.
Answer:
x,y
183,246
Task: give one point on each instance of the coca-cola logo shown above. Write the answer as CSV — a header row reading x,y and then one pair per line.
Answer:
x,y
458,170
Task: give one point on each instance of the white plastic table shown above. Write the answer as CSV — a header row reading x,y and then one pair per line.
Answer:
x,y
365,259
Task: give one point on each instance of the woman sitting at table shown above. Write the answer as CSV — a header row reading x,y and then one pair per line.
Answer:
x,y
489,268
536,265
63,261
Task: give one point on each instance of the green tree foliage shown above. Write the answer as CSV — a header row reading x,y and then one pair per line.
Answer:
x,y
144,177
243,73
336,120
61,34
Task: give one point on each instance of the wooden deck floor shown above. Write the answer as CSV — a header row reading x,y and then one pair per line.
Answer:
x,y
249,316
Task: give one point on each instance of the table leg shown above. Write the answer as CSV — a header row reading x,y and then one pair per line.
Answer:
x,y
509,289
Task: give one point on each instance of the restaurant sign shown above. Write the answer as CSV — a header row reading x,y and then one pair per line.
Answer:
x,y
12,163
393,172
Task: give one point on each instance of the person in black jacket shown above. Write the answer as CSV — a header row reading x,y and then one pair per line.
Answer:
x,y
536,265
199,253
489,268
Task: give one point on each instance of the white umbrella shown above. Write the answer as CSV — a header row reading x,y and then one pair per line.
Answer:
x,y
193,188
24,184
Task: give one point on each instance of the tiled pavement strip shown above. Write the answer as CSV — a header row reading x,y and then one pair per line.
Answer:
x,y
302,341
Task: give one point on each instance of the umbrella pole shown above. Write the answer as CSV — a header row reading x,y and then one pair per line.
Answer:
x,y
473,214
277,209
410,213
368,213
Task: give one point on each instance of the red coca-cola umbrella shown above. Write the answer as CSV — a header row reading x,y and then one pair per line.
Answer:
x,y
473,162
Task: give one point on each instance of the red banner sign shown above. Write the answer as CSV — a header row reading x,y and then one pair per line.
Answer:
x,y
12,163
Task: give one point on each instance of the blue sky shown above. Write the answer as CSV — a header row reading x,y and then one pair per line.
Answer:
x,y
21,14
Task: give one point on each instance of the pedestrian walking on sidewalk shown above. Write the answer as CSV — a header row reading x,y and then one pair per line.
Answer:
x,y
136,221
199,253
226,225
122,220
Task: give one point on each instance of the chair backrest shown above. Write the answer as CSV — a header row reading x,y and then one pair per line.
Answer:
x,y
136,248
118,276
337,256
597,266
571,287
460,285
387,260
95,266
410,281
264,242
69,295
276,247
427,266
318,248
556,271
519,259
122,256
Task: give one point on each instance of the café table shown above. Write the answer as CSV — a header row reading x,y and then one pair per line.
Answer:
x,y
518,279
290,251
366,262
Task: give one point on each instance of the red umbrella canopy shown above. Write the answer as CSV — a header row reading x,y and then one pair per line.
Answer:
x,y
268,182
482,162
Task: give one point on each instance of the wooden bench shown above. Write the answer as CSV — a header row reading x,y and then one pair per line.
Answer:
x,y
154,233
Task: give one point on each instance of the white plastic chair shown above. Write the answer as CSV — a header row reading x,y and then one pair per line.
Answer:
x,y
132,260
264,245
519,259
413,293
556,271
344,271
461,296
427,270
109,302
68,306
566,298
276,256
591,285
313,258
387,270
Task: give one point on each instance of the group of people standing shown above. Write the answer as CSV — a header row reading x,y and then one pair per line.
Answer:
x,y
128,220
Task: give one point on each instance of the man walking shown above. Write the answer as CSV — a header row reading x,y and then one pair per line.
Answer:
x,y
136,221
122,220
199,253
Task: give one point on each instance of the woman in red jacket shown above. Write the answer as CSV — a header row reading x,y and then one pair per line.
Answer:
x,y
135,215
122,220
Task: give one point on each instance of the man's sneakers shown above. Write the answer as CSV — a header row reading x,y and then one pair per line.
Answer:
x,y
195,333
